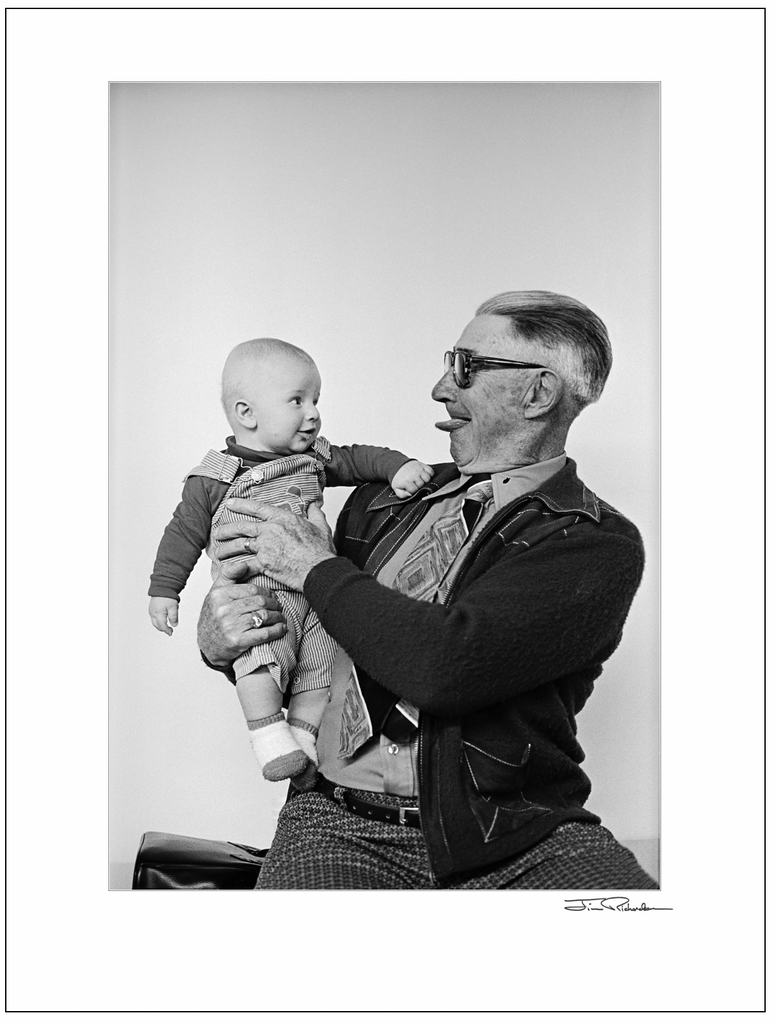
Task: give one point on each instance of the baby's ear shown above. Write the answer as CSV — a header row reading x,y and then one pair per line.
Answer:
x,y
245,414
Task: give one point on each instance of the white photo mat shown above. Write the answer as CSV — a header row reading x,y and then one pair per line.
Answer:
x,y
73,945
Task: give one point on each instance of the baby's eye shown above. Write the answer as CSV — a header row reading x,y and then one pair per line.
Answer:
x,y
296,401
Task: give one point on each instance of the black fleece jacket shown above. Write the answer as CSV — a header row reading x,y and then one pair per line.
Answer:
x,y
500,671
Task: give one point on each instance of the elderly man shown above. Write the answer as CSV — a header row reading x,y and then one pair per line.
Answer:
x,y
474,619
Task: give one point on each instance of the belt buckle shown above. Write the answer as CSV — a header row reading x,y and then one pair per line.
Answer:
x,y
403,814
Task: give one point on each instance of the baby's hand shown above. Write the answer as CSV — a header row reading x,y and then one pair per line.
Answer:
x,y
411,478
161,609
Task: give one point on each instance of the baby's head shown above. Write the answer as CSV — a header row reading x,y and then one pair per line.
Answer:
x,y
270,392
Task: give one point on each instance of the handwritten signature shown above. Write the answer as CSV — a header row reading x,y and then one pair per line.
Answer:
x,y
607,903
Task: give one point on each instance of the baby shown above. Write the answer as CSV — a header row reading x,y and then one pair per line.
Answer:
x,y
270,393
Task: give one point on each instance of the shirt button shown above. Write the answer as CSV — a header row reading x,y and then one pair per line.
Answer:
x,y
393,749
257,474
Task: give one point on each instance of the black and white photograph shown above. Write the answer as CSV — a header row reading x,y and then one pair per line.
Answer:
x,y
448,295
395,348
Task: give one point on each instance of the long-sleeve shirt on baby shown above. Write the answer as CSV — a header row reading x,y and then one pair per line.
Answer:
x,y
187,533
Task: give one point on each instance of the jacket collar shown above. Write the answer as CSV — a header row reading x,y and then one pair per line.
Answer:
x,y
444,472
564,492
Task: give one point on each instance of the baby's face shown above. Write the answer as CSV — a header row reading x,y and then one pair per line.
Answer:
x,y
285,401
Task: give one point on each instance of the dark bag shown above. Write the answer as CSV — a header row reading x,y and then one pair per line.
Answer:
x,y
167,861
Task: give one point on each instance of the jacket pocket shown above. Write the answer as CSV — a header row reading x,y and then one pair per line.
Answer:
x,y
494,791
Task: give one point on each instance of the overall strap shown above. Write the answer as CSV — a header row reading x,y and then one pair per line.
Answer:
x,y
218,466
322,448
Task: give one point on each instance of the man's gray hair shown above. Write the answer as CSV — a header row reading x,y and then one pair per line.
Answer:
x,y
574,338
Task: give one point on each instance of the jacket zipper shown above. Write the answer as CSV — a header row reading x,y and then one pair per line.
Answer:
x,y
423,832
467,562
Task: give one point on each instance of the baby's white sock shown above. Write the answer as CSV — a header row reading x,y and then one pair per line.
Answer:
x,y
305,735
276,749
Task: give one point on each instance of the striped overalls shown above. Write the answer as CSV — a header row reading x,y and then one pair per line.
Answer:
x,y
305,654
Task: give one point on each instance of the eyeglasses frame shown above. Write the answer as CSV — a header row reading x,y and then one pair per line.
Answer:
x,y
483,362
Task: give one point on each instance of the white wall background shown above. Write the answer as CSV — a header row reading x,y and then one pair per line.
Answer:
x,y
364,223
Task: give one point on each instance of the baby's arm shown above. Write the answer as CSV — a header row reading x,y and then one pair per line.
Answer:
x,y
183,541
362,463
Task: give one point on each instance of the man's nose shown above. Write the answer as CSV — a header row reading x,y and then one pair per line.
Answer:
x,y
444,389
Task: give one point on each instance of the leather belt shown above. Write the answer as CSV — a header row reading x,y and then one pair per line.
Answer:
x,y
391,815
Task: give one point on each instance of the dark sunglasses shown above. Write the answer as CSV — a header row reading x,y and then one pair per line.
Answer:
x,y
463,363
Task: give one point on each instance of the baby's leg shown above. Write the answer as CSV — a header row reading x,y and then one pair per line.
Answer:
x,y
310,691
273,742
305,711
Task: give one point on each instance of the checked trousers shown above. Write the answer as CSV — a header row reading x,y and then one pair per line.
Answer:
x,y
320,844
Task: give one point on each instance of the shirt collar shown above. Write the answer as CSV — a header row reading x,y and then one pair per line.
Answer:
x,y
508,484
249,455
560,490
514,483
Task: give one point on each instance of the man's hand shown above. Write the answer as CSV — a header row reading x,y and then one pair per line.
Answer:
x,y
285,546
228,620
410,477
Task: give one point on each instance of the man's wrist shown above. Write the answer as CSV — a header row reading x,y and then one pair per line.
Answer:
x,y
225,668
315,560
321,577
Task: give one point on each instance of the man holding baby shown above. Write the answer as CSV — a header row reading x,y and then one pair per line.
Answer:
x,y
473,619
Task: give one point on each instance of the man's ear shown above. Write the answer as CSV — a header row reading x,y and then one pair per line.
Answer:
x,y
544,394
245,415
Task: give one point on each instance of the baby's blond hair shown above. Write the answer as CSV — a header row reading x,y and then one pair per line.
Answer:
x,y
240,370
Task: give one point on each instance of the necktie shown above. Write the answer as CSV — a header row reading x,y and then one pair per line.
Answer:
x,y
428,562
419,578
